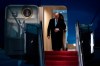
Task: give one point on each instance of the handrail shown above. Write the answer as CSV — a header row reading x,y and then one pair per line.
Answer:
x,y
41,48
78,45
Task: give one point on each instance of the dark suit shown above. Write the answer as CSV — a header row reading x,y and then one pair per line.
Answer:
x,y
57,37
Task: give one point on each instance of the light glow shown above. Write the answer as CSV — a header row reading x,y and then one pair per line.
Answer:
x,y
92,43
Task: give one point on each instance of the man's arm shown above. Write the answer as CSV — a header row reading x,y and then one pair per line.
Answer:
x,y
48,29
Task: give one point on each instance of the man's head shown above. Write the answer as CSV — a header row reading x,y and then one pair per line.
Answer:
x,y
56,15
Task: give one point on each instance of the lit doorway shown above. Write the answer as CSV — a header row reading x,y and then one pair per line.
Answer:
x,y
46,13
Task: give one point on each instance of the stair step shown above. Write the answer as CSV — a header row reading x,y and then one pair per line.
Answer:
x,y
68,53
60,57
63,63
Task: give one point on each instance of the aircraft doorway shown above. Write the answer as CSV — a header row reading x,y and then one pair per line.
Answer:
x,y
47,13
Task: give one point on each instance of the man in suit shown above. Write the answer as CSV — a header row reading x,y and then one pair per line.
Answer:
x,y
55,28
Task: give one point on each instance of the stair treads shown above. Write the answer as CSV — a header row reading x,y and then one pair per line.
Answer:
x,y
61,65
48,62
68,53
60,57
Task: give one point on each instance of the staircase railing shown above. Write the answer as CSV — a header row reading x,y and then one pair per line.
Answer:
x,y
78,45
41,46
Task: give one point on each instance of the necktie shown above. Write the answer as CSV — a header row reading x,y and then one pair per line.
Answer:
x,y
55,22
